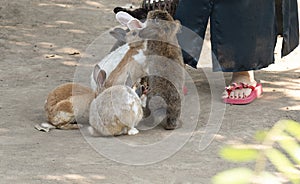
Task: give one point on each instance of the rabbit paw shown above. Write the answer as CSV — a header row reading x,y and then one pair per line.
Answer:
x,y
46,127
144,100
93,131
133,131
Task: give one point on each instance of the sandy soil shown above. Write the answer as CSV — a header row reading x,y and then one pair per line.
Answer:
x,y
41,43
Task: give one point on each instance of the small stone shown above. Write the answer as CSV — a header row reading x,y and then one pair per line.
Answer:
x,y
50,56
74,53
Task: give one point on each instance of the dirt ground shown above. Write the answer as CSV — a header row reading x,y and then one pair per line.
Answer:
x,y
42,42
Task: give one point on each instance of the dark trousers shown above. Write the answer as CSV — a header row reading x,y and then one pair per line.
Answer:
x,y
243,32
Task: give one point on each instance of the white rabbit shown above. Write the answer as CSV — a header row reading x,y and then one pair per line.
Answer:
x,y
115,111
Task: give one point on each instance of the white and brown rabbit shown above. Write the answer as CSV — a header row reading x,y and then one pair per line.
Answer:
x,y
153,54
112,62
117,110
119,33
67,105
139,13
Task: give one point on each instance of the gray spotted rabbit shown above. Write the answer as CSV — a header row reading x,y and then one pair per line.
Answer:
x,y
117,110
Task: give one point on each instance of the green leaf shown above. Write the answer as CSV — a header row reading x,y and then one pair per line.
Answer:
x,y
293,128
283,164
234,176
260,136
291,146
239,154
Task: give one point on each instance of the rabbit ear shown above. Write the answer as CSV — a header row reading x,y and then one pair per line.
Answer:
x,y
123,18
99,76
118,9
128,81
177,26
172,28
135,24
119,34
139,13
152,32
127,20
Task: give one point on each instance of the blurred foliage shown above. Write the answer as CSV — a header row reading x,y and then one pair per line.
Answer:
x,y
278,146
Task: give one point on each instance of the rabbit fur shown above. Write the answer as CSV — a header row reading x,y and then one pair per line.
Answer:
x,y
153,51
139,13
113,59
67,105
116,110
120,34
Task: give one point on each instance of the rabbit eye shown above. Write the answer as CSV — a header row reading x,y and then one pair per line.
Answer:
x,y
134,33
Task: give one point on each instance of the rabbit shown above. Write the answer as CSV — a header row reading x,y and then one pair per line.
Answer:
x,y
117,110
108,64
67,105
119,33
153,50
139,13
113,59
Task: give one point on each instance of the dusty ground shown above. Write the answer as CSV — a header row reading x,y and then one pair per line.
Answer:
x,y
42,41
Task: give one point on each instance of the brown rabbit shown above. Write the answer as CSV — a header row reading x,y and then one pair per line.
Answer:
x,y
155,55
67,105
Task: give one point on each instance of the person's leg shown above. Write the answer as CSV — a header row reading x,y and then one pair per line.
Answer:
x,y
193,15
243,40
